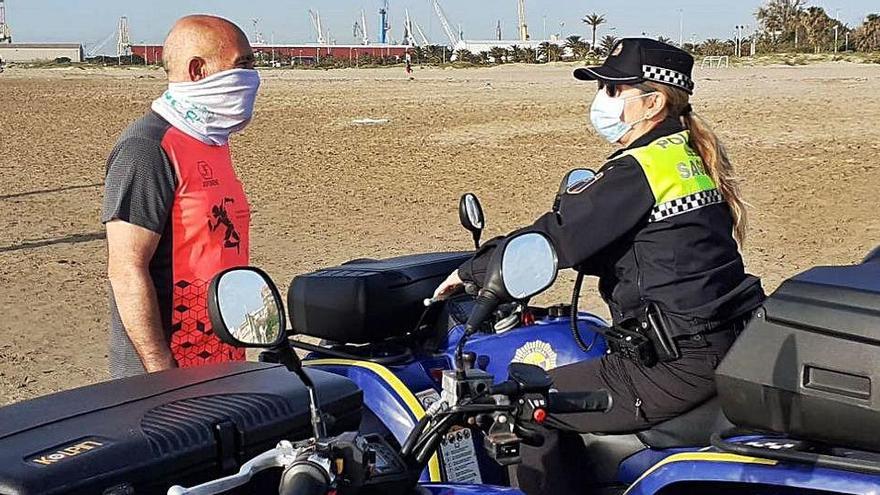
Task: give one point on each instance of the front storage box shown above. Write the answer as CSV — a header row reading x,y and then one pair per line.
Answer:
x,y
367,301
141,435
809,364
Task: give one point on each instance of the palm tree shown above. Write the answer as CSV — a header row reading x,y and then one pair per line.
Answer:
x,y
498,54
483,57
464,55
607,44
866,37
550,52
817,24
713,46
664,39
513,54
594,20
782,16
578,47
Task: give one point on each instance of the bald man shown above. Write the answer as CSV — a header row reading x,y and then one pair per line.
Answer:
x,y
174,210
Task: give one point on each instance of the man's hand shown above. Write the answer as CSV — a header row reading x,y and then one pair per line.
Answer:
x,y
451,285
130,249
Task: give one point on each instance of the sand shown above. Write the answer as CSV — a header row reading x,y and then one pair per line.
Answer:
x,y
805,141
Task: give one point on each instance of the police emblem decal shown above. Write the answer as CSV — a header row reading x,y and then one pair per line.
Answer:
x,y
538,353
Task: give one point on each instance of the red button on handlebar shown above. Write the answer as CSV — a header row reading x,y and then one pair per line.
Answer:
x,y
539,416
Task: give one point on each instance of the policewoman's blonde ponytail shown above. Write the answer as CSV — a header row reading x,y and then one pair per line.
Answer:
x,y
711,150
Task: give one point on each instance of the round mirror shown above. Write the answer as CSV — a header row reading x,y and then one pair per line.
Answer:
x,y
528,265
471,213
249,308
578,175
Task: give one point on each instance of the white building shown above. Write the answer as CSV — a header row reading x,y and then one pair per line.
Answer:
x,y
37,52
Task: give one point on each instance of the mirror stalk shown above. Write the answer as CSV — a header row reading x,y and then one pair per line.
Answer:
x,y
288,358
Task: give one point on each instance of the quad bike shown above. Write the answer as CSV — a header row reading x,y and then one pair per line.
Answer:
x,y
374,332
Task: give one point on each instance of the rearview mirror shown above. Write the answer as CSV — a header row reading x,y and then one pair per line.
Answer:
x,y
245,308
573,177
528,265
470,213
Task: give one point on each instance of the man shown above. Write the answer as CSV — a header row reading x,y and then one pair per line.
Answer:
x,y
174,211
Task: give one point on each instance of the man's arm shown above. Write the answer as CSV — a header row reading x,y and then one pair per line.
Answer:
x,y
138,195
128,266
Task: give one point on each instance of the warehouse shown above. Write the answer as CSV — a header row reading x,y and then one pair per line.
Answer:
x,y
35,52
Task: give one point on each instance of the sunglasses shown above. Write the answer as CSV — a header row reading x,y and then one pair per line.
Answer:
x,y
613,90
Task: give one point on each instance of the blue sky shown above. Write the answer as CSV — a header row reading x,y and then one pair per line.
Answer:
x,y
90,21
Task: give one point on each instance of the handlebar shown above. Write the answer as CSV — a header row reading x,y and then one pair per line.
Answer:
x,y
579,402
304,477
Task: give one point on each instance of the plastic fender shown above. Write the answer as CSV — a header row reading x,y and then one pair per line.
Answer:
x,y
547,343
441,489
386,396
725,468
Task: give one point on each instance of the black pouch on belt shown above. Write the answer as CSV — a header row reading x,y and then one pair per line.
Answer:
x,y
627,340
656,328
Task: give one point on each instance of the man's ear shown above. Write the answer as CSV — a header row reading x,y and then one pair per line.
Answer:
x,y
197,69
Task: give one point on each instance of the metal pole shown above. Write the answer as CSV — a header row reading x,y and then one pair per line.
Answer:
x,y
836,42
680,27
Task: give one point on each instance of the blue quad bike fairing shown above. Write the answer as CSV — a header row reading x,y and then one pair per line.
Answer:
x,y
708,471
396,395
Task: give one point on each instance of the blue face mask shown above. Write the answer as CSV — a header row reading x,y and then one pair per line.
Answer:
x,y
606,114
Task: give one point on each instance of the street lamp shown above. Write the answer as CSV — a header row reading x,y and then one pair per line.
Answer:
x,y
680,27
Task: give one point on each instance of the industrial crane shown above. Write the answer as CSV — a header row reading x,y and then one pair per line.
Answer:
x,y
316,22
123,42
444,22
521,13
5,30
360,30
384,23
409,37
258,35
425,41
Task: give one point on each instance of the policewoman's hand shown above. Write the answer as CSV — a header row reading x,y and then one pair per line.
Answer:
x,y
450,286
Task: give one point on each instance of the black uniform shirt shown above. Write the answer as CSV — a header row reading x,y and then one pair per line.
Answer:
x,y
688,264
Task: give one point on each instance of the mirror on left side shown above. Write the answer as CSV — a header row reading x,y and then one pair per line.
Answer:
x,y
528,265
245,308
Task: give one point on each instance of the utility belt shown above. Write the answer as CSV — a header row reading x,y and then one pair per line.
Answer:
x,y
648,339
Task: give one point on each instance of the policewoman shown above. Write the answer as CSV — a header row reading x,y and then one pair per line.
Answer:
x,y
659,225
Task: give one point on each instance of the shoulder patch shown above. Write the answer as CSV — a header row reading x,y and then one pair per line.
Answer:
x,y
583,185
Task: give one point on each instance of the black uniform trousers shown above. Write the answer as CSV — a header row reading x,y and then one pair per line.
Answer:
x,y
642,397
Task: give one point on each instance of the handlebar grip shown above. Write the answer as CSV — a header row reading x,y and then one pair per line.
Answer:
x,y
579,402
304,478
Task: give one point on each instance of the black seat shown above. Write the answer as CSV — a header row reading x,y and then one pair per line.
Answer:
x,y
604,453
691,429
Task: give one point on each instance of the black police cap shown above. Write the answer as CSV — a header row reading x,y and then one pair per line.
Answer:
x,y
635,60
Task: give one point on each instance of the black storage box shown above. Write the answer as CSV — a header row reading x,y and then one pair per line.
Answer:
x,y
809,364
141,435
367,301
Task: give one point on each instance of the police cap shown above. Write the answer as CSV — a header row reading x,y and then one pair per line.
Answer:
x,y
635,60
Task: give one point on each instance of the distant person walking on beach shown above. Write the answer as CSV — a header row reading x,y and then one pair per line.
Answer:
x,y
174,210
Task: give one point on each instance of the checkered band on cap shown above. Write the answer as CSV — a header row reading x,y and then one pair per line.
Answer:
x,y
668,76
686,204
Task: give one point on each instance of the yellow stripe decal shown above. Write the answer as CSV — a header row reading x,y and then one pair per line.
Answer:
x,y
399,388
702,457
